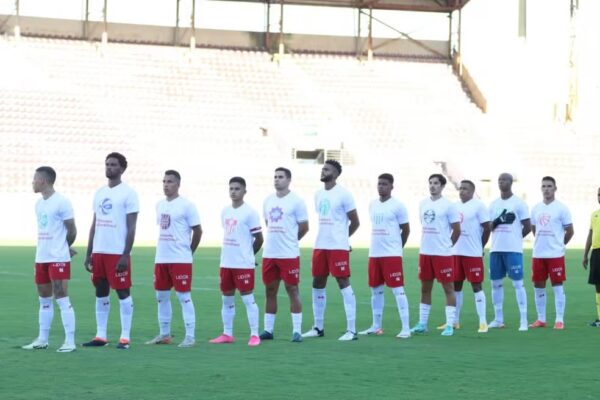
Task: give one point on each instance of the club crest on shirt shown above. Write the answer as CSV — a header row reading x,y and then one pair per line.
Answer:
x,y
276,214
106,206
165,221
324,207
429,216
230,225
544,219
378,218
42,220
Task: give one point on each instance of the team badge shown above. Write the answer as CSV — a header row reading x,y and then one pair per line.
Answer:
x,y
230,225
324,207
544,219
42,220
165,221
106,206
429,216
276,214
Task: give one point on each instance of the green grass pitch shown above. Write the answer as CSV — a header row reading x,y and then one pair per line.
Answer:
x,y
503,364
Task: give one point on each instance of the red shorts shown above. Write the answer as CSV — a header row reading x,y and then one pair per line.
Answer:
x,y
386,270
54,271
178,276
438,267
241,279
334,262
552,267
286,269
469,268
104,267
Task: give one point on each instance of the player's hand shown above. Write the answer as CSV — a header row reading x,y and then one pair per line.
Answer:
x,y
88,264
72,251
504,218
585,262
122,264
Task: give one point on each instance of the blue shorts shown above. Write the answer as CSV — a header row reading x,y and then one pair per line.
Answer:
x,y
504,263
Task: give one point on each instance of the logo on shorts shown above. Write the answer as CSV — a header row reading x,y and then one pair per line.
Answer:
x,y
544,219
230,225
324,207
429,216
42,220
276,214
106,206
165,221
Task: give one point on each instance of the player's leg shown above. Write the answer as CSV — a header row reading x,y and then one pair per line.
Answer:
x,y
594,279
339,266
290,274
67,314
120,281
393,275
102,288
480,306
162,287
320,272
46,309
271,279
557,275
474,273
426,276
515,273
539,275
244,283
227,286
497,274
376,284
181,274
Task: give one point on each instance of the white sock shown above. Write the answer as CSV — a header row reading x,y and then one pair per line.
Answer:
x,y
165,312
560,300
126,312
424,310
350,308
297,322
540,303
319,301
480,306
521,299
252,312
402,303
102,311
377,301
497,300
269,322
46,314
188,312
459,303
450,315
67,314
227,314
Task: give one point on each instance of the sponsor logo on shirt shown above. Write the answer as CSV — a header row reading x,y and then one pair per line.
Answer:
x,y
429,216
544,219
165,221
324,207
378,218
106,206
276,214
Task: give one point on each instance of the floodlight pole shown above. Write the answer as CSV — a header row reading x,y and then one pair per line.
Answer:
x,y
105,19
267,41
357,46
17,29
281,46
86,21
370,42
193,24
176,30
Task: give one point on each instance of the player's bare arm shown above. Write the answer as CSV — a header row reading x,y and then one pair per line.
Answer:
x,y
586,250
455,226
196,236
258,241
405,229
526,224
131,225
485,234
71,234
302,229
569,232
354,222
88,254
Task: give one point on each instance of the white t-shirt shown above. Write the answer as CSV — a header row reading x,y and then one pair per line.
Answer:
x,y
111,206
436,219
386,218
472,214
508,237
175,219
239,226
283,214
333,207
52,234
550,221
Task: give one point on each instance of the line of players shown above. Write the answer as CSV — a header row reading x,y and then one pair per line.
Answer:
x,y
452,244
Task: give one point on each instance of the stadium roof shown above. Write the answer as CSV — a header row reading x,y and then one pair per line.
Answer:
x,y
404,5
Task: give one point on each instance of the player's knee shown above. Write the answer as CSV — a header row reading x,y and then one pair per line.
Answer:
x,y
497,284
122,293
518,284
248,299
184,297
163,295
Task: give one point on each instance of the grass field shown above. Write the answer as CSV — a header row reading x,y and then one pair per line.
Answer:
x,y
503,364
